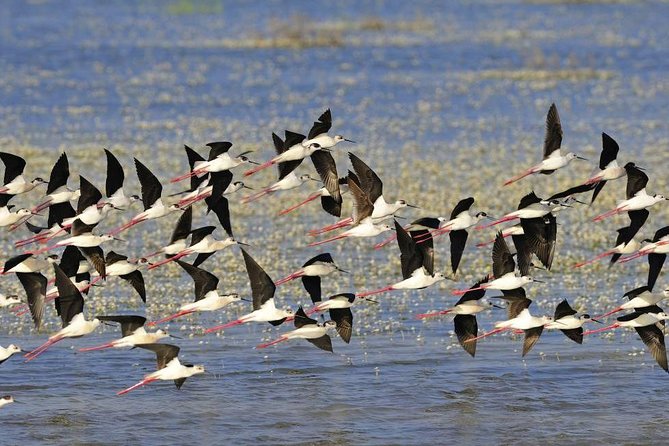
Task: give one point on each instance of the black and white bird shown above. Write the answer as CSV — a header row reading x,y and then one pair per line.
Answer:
x,y
151,198
6,399
333,186
567,321
312,271
169,367
262,290
219,160
417,265
14,183
339,308
114,184
132,332
207,297
465,311
57,190
608,166
647,322
70,308
307,329
637,197
362,220
503,270
179,238
625,241
553,157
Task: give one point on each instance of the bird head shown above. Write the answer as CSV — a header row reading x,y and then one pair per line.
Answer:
x,y
38,180
11,348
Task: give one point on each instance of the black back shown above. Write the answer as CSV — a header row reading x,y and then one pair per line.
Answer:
x,y
321,126
14,166
69,302
204,280
609,151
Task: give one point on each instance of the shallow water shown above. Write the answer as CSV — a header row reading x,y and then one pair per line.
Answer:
x,y
448,96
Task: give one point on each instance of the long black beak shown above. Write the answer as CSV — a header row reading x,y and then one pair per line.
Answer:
x,y
245,299
596,320
350,140
413,206
342,270
119,239
581,158
538,281
244,186
497,306
243,244
253,162
175,337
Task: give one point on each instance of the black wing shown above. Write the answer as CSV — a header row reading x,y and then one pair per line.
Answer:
x,y
462,206
326,167
301,319
200,233
69,302
660,233
636,180
321,126
183,227
194,157
219,183
655,264
458,242
609,151
553,138
164,352
324,343
222,210
325,257
426,248
466,328
362,207
70,259
331,206
218,148
115,174
540,237
128,323
517,301
113,257
411,257
151,187
136,280
637,219
97,258
204,280
473,294
344,319
35,286
573,191
59,212
313,286
575,334
292,139
523,254
370,183
428,222
563,310
14,166
531,337
528,199
59,174
262,286
598,188
16,260
90,195
653,337
502,260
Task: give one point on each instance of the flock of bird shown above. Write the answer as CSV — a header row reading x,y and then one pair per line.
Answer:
x,y
82,263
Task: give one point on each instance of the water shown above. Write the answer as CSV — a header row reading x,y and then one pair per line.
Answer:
x,y
446,86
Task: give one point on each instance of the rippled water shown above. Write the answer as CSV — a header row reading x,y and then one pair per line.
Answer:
x,y
464,84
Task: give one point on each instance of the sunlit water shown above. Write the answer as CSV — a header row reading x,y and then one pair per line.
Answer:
x,y
413,83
